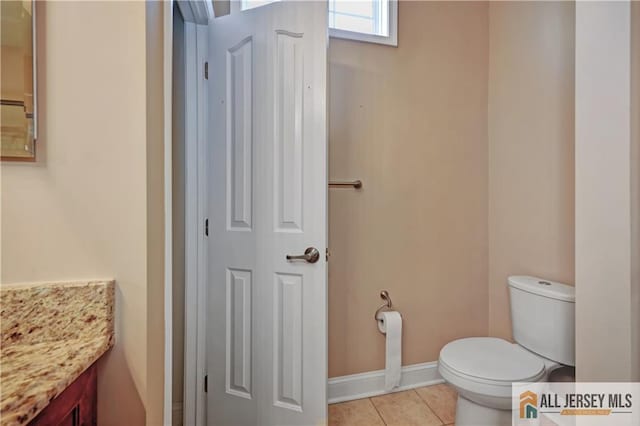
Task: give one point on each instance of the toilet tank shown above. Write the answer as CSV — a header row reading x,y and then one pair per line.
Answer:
x,y
543,317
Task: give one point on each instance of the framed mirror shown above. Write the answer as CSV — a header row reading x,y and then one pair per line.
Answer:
x,y
18,125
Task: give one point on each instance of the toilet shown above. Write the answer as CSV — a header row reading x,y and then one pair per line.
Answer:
x,y
482,369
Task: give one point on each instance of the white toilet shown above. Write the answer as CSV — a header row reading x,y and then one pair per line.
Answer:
x,y
483,368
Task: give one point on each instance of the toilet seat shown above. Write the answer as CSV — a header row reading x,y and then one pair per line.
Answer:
x,y
491,359
483,369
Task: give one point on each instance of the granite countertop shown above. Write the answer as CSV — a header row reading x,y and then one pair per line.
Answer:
x,y
50,334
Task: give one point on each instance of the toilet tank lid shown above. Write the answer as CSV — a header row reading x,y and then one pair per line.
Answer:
x,y
544,288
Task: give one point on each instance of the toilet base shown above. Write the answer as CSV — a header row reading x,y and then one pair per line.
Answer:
x,y
471,414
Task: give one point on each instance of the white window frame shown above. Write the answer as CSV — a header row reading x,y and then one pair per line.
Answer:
x,y
238,5
390,40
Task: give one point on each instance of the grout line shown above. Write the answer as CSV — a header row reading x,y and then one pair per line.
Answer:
x,y
377,411
424,401
430,408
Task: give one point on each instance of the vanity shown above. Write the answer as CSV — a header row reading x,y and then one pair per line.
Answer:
x,y
52,336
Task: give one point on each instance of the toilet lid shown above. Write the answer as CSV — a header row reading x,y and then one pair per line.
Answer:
x,y
490,358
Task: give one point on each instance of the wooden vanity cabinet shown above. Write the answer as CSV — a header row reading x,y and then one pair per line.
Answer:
x,y
75,406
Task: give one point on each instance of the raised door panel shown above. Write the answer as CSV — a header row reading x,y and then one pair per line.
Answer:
x,y
289,93
239,286
240,136
288,341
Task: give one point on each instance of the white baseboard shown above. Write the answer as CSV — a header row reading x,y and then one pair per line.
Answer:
x,y
364,385
176,414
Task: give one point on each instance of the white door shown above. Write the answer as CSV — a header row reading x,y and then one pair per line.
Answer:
x,y
267,316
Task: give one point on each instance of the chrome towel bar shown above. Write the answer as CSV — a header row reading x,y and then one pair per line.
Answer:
x,y
356,184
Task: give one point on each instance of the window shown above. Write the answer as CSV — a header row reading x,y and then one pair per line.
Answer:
x,y
364,20
375,21
250,4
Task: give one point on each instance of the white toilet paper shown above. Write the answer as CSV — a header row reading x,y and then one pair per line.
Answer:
x,y
390,323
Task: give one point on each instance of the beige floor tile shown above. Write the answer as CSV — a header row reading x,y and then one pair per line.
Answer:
x,y
405,409
360,412
441,399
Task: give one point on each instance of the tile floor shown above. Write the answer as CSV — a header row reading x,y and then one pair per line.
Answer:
x,y
429,406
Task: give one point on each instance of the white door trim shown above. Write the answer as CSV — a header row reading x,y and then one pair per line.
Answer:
x,y
167,49
196,14
194,401
203,211
192,234
196,11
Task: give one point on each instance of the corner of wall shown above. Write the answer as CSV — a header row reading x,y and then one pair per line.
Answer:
x,y
531,150
155,212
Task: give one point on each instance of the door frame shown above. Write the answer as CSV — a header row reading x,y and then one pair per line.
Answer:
x,y
196,15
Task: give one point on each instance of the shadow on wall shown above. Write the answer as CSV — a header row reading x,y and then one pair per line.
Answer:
x,y
112,378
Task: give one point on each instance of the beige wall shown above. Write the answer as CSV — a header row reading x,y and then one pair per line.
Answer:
x,y
411,122
635,190
221,7
606,193
531,149
82,210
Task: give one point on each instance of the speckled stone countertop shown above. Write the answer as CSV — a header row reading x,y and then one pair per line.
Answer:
x,y
50,334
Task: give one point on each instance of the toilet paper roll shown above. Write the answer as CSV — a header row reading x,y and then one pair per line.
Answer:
x,y
390,323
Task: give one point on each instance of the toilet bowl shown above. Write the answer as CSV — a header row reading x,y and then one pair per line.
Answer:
x,y
482,369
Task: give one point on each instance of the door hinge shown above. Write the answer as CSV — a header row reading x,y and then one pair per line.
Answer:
x,y
327,253
206,383
206,70
206,227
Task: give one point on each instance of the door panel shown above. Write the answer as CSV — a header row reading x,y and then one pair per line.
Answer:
x,y
288,96
240,138
238,381
288,341
267,321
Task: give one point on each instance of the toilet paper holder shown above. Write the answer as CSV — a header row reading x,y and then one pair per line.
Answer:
x,y
384,295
